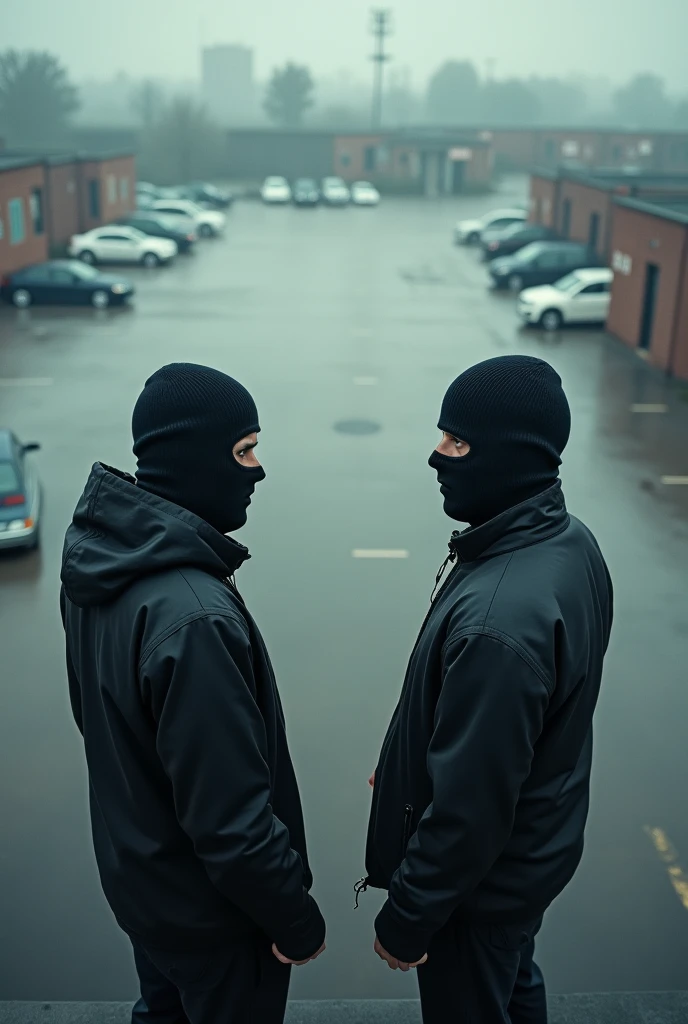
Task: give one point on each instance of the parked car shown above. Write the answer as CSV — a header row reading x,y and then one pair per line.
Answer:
x,y
335,192
364,194
583,296
160,225
275,189
469,232
305,192
540,263
115,244
64,282
505,241
210,222
20,494
204,192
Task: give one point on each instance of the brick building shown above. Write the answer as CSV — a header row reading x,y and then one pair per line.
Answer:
x,y
649,305
44,200
426,162
522,148
580,205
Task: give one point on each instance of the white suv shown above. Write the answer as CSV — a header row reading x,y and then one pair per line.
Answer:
x,y
208,222
583,296
469,232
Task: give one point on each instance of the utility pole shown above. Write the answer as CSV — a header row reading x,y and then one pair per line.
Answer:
x,y
381,28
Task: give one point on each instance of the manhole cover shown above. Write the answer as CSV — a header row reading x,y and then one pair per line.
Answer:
x,y
357,427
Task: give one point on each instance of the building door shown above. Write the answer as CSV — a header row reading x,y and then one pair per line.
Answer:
x,y
649,305
594,231
458,171
94,199
566,218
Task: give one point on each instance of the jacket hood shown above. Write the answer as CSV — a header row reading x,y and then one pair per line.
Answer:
x,y
120,533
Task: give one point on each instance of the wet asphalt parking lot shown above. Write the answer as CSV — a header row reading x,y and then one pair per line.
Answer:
x,y
331,316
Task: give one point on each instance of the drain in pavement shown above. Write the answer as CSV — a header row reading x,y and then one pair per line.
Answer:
x,y
359,427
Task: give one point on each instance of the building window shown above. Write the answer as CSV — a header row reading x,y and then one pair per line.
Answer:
x,y
123,188
15,208
71,187
569,148
617,154
369,157
94,198
344,159
111,188
549,149
36,208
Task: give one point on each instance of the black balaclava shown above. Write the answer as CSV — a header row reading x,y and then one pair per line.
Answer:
x,y
513,413
186,421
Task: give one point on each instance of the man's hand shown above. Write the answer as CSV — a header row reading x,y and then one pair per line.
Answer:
x,y
392,962
296,963
371,780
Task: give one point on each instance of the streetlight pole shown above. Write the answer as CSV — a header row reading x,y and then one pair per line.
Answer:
x,y
381,28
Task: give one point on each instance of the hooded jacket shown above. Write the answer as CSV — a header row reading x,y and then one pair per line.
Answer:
x,y
482,788
195,810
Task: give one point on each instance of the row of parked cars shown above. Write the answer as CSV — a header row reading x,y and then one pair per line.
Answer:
x,y
557,281
331,191
155,233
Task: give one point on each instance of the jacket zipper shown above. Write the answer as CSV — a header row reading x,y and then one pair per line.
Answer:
x,y
406,835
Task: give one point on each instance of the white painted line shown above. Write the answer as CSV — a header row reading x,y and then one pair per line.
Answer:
x,y
365,381
678,480
649,407
26,382
379,553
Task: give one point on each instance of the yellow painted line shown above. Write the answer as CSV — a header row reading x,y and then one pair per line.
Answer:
x,y
649,407
668,854
671,481
365,381
379,553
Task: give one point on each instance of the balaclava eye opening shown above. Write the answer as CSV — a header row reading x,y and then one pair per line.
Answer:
x,y
513,413
185,423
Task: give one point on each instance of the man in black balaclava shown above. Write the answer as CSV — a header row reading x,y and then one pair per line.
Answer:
x,y
480,796
195,808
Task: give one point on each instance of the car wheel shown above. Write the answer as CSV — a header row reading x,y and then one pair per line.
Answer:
x,y
87,257
150,259
516,283
205,231
21,298
100,299
551,320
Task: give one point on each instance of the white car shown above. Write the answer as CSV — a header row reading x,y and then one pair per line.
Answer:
x,y
364,194
275,190
469,232
335,192
208,222
583,296
120,244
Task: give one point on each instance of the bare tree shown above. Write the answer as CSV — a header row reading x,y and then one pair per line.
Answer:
x,y
182,144
37,100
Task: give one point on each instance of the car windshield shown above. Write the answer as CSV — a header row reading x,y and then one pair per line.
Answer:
x,y
333,182
275,181
9,481
305,183
511,230
568,283
527,253
81,270
362,184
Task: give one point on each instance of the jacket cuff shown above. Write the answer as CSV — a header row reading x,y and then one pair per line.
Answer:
x,y
305,937
401,940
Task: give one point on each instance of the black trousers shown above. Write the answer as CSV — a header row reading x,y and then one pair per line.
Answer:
x,y
238,984
483,975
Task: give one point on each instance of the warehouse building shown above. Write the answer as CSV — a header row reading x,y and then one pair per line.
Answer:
x,y
44,200
580,205
423,162
663,152
649,304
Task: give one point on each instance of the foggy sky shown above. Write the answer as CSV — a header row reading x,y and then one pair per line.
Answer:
x,y
161,38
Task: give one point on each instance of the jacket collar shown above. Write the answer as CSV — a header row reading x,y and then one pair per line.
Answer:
x,y
532,521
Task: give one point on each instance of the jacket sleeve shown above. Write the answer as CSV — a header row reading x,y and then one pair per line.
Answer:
x,y
488,717
212,743
72,678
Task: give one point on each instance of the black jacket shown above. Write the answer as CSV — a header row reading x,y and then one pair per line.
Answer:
x,y
481,792
195,809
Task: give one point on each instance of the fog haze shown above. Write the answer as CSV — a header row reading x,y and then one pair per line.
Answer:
x,y
160,38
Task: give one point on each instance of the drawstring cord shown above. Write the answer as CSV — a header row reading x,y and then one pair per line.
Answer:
x,y
361,886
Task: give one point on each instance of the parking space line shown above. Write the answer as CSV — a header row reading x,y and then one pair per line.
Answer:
x,y
668,854
26,382
671,481
365,381
379,553
649,407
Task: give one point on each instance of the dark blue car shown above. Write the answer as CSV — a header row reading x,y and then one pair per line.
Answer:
x,y
64,282
20,494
